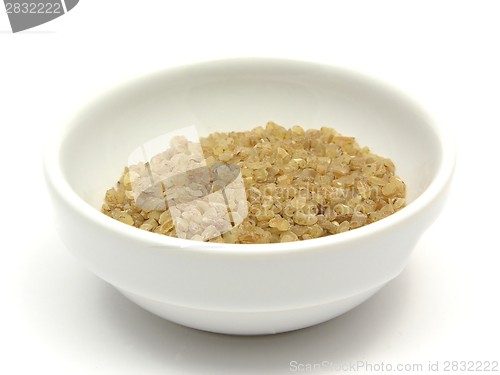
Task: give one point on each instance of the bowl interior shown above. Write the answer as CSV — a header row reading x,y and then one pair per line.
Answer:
x,y
239,95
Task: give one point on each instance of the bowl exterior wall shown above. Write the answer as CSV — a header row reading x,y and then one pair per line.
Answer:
x,y
236,281
251,323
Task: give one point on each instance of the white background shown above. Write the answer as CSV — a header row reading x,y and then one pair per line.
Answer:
x,y
57,317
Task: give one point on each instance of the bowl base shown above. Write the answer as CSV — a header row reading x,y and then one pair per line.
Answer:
x,y
250,323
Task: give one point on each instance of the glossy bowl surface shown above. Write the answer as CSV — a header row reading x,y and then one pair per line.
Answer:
x,y
245,289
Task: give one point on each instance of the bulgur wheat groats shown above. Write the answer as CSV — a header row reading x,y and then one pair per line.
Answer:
x,y
266,185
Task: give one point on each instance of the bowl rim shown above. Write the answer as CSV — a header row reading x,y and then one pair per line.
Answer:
x,y
55,178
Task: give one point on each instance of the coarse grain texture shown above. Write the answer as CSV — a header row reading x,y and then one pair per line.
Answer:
x,y
294,185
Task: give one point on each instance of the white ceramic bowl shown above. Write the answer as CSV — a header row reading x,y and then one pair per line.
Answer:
x,y
245,289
